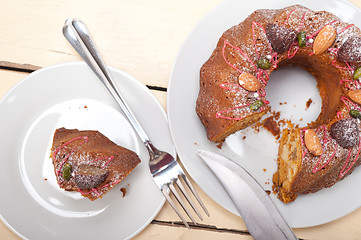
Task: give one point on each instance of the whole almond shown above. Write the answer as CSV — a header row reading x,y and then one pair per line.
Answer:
x,y
249,82
324,39
355,95
312,142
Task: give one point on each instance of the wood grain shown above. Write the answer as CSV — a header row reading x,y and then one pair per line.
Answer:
x,y
140,37
18,67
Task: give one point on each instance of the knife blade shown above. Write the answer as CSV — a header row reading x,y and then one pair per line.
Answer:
x,y
261,216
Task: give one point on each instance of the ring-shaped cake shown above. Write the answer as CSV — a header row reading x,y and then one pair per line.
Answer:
x,y
232,92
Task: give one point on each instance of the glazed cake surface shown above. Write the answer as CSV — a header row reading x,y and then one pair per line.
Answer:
x,y
88,162
232,92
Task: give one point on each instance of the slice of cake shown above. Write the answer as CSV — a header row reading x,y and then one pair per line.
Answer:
x,y
88,162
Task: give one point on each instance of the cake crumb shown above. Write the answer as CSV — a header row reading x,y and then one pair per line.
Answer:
x,y
268,192
257,126
264,170
308,103
272,126
45,179
276,115
244,138
124,191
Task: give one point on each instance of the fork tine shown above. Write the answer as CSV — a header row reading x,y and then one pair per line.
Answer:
x,y
170,201
179,199
185,193
195,193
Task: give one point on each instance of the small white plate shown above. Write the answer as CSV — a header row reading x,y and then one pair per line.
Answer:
x,y
69,95
258,152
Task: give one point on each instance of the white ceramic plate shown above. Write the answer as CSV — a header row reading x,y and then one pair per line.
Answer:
x,y
258,152
70,95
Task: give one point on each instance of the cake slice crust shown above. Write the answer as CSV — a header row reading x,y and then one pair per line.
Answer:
x,y
73,149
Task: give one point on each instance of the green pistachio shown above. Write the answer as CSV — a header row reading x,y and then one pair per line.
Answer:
x,y
357,73
256,105
263,63
355,113
67,171
301,37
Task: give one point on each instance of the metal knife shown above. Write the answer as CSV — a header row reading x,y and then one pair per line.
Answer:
x,y
261,216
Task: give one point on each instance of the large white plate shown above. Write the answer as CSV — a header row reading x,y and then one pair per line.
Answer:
x,y
69,95
258,152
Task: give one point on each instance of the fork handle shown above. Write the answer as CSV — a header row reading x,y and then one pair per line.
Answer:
x,y
76,32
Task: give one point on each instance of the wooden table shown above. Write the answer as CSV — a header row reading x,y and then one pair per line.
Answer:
x,y
129,34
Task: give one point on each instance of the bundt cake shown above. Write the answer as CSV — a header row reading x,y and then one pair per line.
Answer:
x,y
232,92
88,162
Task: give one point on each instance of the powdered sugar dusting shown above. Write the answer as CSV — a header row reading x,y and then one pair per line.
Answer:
x,y
350,50
346,132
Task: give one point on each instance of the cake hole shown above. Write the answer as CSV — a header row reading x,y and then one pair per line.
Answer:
x,y
295,88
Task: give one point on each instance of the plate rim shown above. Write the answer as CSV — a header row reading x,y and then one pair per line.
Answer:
x,y
130,78
212,12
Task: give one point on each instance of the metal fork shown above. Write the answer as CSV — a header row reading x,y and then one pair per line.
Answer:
x,y
164,168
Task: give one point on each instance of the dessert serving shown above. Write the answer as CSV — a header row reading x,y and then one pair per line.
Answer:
x,y
232,92
88,162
